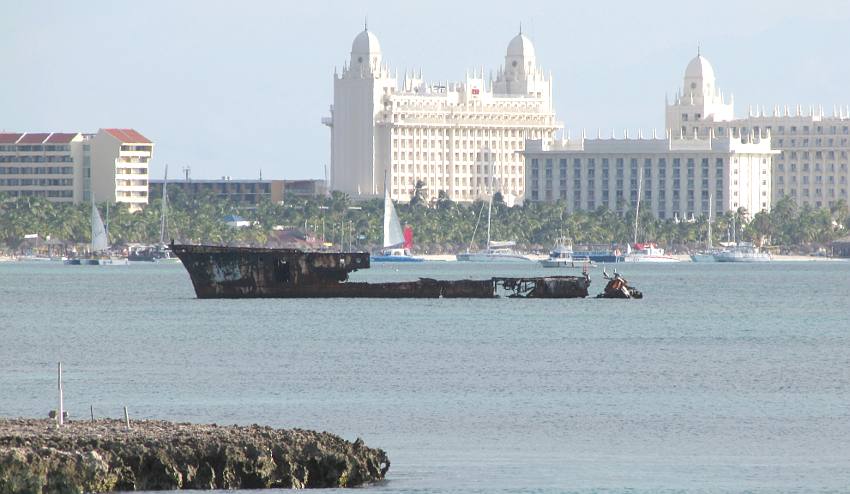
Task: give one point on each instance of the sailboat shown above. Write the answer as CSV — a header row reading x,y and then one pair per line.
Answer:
x,y
99,255
708,254
396,245
159,252
647,251
497,251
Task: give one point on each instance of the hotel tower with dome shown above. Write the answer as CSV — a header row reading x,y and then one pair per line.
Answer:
x,y
462,139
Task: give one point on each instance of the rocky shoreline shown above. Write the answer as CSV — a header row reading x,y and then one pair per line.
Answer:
x,y
103,456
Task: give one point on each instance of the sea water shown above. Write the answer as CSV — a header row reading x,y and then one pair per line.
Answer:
x,y
724,378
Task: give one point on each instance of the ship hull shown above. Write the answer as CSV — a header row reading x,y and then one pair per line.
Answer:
x,y
234,272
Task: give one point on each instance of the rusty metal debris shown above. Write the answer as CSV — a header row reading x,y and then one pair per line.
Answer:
x,y
242,272
618,287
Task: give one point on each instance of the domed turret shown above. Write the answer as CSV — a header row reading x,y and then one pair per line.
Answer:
x,y
699,77
520,60
699,68
365,50
521,46
699,103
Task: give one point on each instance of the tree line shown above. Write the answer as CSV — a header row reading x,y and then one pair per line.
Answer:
x,y
440,226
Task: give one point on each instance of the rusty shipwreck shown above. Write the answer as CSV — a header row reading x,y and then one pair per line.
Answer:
x,y
245,272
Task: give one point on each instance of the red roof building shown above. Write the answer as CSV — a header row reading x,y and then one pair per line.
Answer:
x,y
9,138
111,165
33,138
61,138
128,136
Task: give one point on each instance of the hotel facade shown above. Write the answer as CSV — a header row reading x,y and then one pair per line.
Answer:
x,y
675,178
707,153
68,167
460,138
812,164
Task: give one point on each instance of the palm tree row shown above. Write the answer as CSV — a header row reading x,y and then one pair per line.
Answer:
x,y
443,226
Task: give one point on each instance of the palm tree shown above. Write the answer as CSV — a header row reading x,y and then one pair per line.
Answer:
x,y
418,195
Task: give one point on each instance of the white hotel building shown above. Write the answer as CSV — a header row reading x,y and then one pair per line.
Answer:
x,y
749,162
464,138
676,176
812,164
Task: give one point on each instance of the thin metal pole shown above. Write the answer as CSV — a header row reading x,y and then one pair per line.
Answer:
x,y
126,417
61,417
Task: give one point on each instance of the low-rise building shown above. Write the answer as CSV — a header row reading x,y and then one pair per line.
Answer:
x,y
305,188
675,178
246,193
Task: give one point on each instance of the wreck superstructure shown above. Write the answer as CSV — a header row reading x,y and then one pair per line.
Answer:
x,y
245,272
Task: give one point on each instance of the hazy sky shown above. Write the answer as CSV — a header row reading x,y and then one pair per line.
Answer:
x,y
230,88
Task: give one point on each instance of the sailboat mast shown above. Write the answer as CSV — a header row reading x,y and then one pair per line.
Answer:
x,y
490,205
164,205
709,220
637,206
94,231
489,210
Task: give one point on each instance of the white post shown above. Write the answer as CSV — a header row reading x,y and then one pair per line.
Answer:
x,y
126,417
61,416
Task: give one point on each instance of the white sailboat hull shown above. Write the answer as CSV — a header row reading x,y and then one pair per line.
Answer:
x,y
737,257
648,259
491,257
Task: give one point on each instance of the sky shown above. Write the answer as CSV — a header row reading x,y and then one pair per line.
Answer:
x,y
239,88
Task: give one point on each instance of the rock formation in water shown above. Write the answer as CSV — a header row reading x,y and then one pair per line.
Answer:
x,y
103,456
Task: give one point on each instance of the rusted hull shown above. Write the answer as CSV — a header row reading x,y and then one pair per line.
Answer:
x,y
233,272
412,289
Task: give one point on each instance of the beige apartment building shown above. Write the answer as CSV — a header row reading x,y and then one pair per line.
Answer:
x,y
42,165
69,167
119,166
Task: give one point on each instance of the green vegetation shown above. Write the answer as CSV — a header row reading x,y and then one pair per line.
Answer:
x,y
445,226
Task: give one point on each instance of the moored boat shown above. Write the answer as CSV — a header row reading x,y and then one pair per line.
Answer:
x,y
100,254
742,252
648,252
599,254
705,256
397,243
562,256
496,251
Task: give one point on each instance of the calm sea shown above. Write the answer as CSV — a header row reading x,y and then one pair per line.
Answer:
x,y
725,378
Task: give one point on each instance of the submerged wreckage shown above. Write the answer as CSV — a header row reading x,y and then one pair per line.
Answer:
x,y
245,272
